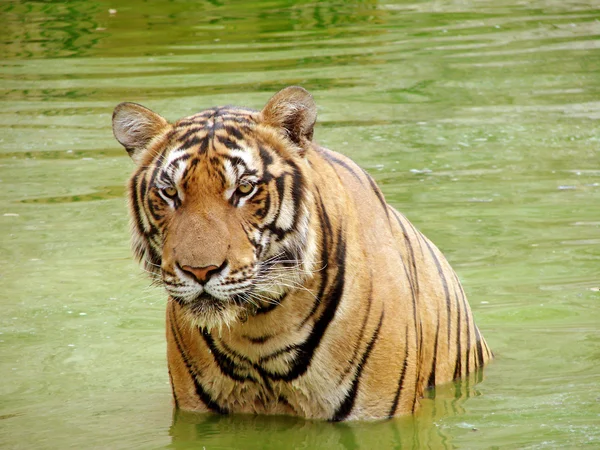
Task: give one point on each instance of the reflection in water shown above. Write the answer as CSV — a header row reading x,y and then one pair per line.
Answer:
x,y
192,430
49,29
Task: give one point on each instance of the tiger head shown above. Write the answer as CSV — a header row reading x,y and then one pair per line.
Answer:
x,y
220,203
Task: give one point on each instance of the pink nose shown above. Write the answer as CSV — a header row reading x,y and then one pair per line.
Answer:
x,y
201,274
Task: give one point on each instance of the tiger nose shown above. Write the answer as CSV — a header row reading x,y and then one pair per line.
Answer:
x,y
200,274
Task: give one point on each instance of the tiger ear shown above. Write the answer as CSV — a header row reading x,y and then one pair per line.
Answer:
x,y
293,110
134,126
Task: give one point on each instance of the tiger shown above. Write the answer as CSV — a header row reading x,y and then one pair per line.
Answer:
x,y
293,287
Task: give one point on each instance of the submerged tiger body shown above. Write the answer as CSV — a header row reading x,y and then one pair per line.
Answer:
x,y
294,288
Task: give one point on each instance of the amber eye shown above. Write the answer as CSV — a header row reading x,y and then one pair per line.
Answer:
x,y
245,188
170,192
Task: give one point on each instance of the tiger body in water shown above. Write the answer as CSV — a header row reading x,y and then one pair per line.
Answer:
x,y
294,288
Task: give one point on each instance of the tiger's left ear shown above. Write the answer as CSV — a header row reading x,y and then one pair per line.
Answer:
x,y
293,110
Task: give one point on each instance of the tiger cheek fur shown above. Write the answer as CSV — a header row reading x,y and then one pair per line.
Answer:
x,y
294,288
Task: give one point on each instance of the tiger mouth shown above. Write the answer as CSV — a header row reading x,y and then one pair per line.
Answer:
x,y
204,301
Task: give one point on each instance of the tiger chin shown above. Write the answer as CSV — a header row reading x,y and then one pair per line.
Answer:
x,y
294,288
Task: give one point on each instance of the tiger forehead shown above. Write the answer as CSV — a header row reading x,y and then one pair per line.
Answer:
x,y
227,125
217,144
217,118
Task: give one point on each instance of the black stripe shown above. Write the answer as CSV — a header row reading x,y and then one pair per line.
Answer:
x,y
155,209
262,212
326,243
415,293
173,389
457,364
394,407
191,133
239,119
346,406
413,289
467,324
362,331
431,380
259,339
271,306
410,249
141,205
234,131
306,350
194,141
297,190
266,157
418,236
446,290
227,142
331,158
237,161
378,193
133,200
227,366
184,157
202,394
479,349
272,227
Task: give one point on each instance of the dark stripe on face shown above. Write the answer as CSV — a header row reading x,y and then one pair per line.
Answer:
x,y
190,167
154,208
145,200
272,227
181,158
259,340
266,157
234,131
237,161
133,200
227,142
394,407
378,193
227,366
239,119
346,407
297,189
196,141
200,392
190,133
331,158
271,306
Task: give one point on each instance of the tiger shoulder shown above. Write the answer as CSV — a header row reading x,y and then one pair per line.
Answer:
x,y
293,287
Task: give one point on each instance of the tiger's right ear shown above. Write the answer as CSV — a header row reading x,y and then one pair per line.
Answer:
x,y
134,126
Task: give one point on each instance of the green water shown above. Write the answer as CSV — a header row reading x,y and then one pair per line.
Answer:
x,y
480,120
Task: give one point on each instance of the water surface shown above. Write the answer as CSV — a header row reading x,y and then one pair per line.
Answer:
x,y
480,121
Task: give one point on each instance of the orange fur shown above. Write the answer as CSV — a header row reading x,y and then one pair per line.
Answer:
x,y
303,293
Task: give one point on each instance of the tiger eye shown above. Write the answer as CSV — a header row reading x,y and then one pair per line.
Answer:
x,y
170,192
245,188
